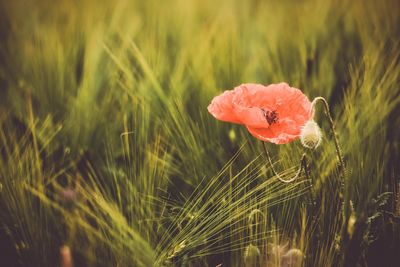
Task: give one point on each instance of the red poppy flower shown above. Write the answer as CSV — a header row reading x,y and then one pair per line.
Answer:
x,y
275,113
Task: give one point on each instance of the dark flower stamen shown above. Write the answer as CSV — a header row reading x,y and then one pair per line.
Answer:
x,y
270,116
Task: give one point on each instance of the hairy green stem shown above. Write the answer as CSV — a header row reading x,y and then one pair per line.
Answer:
x,y
344,188
303,164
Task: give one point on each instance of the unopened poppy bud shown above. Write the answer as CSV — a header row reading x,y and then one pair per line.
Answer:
x,y
251,255
66,257
293,257
69,197
311,135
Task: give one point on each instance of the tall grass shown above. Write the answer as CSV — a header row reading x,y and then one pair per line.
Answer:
x,y
107,146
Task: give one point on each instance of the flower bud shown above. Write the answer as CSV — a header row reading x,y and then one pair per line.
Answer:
x,y
66,257
311,135
68,197
293,257
251,255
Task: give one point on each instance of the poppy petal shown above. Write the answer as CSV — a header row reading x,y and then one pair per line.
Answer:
x,y
221,107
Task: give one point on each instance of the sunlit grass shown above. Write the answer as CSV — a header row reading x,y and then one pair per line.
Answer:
x,y
109,100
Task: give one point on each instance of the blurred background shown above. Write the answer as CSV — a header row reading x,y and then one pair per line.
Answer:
x,y
108,153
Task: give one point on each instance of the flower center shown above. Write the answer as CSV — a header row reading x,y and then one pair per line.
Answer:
x,y
271,116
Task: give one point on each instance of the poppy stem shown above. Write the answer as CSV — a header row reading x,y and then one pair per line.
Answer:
x,y
332,126
303,164
344,188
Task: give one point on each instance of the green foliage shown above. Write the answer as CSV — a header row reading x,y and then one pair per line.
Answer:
x,y
108,102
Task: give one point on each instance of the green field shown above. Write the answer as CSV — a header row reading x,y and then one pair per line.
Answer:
x,y
109,155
